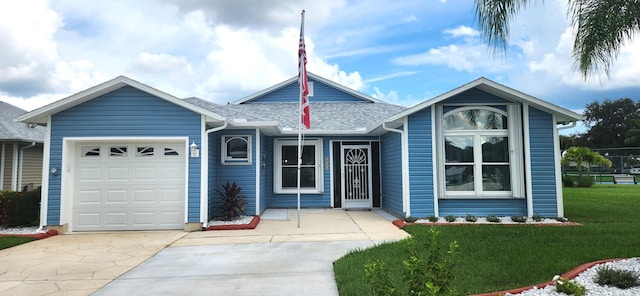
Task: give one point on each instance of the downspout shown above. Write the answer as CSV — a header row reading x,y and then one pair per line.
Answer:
x,y
2,159
21,162
14,167
405,165
573,124
204,189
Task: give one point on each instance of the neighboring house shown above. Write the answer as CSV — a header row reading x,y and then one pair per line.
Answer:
x,y
125,156
20,151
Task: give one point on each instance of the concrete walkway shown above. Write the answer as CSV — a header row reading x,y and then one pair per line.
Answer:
x,y
77,264
277,258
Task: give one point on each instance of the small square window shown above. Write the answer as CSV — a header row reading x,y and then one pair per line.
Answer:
x,y
236,150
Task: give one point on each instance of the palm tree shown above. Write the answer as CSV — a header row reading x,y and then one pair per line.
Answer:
x,y
602,27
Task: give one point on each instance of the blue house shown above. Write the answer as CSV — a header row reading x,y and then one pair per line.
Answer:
x,y
124,156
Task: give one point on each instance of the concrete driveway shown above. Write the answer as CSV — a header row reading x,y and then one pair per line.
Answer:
x,y
277,258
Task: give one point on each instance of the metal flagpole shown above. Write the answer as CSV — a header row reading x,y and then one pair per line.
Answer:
x,y
301,67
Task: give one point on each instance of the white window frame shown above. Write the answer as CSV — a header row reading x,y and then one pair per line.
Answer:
x,y
277,159
225,159
515,153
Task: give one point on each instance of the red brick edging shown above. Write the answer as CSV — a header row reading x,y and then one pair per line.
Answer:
x,y
568,275
401,223
43,235
250,225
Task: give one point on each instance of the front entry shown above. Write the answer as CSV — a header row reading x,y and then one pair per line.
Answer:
x,y
356,176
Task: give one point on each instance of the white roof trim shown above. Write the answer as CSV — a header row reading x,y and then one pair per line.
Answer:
x,y
314,77
39,115
497,89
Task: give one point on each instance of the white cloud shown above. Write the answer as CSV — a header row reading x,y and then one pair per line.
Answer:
x,y
462,31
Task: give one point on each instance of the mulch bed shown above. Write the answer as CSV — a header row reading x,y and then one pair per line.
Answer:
x,y
42,235
250,225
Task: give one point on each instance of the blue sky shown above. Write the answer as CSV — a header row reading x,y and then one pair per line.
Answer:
x,y
403,52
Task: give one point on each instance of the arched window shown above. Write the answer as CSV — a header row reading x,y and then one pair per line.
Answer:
x,y
236,149
476,152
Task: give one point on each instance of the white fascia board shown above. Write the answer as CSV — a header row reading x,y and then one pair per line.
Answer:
x,y
39,115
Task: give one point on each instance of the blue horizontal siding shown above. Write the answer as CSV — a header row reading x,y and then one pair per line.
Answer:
x,y
321,93
543,166
474,96
421,163
482,207
243,175
125,112
391,172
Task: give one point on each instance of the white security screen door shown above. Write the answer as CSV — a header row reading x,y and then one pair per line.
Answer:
x,y
356,176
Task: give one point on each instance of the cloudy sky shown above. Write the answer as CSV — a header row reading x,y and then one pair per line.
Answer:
x,y
403,52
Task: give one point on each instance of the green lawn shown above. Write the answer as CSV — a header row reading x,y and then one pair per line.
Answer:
x,y
10,241
500,257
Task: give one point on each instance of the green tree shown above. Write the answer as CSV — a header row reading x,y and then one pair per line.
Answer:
x,y
602,27
633,133
609,122
583,156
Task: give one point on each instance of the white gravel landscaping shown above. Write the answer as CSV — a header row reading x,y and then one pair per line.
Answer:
x,y
21,230
587,277
239,221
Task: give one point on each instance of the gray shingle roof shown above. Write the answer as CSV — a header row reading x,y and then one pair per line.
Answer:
x,y
325,116
11,130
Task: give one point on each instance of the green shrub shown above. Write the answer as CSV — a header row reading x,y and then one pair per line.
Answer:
x,y
428,269
623,279
376,275
232,203
450,218
432,219
470,218
19,208
410,219
493,219
519,219
537,217
584,181
568,181
569,287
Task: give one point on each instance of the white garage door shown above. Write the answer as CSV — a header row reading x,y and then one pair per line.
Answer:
x,y
129,186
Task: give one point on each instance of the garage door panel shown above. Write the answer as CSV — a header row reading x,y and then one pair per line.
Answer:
x,y
116,196
120,187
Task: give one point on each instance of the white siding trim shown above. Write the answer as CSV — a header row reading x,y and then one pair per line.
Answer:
x,y
258,170
527,158
406,189
434,158
46,160
331,184
556,157
14,167
204,169
2,156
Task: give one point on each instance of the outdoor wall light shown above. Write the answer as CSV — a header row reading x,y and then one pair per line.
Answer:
x,y
195,152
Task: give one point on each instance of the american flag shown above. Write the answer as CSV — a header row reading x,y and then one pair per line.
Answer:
x,y
302,79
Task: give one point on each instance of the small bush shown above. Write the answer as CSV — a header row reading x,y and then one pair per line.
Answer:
x,y
232,203
568,181
470,218
519,219
493,219
584,181
410,219
19,208
376,274
432,219
569,287
623,279
450,218
537,217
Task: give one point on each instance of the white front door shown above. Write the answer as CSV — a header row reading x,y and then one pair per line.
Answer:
x,y
356,176
129,186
